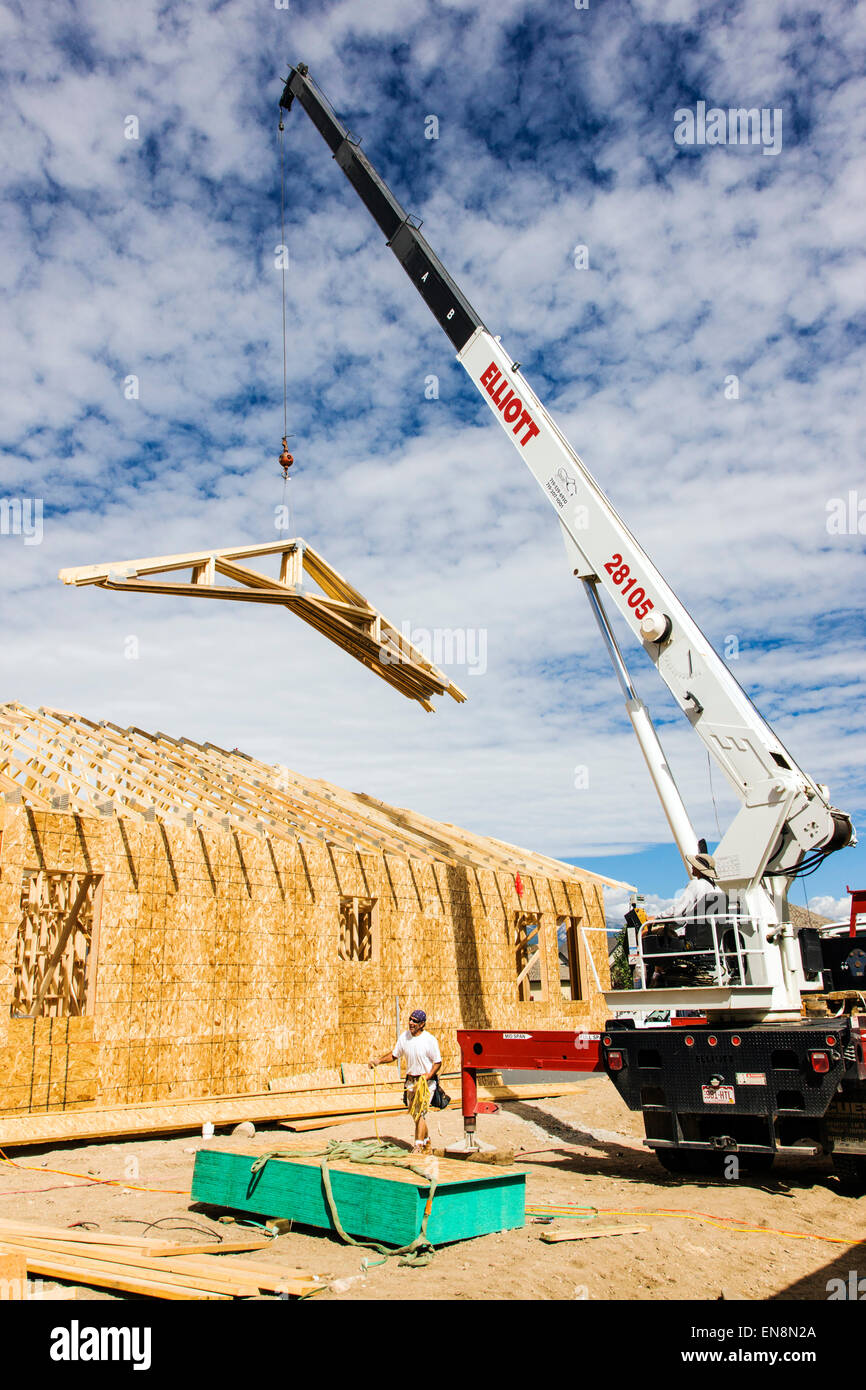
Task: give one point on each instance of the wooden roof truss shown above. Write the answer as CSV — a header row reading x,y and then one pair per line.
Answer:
x,y
338,611
54,760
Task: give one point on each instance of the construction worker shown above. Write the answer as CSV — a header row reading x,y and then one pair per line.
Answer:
x,y
423,1059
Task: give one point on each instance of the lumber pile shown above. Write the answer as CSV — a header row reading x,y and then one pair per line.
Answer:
x,y
159,1117
153,1268
273,1107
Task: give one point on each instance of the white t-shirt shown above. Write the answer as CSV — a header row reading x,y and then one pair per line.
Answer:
x,y
687,899
421,1053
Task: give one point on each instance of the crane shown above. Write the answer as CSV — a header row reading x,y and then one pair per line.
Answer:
x,y
753,968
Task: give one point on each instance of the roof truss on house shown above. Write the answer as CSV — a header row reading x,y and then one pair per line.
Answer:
x,y
338,611
54,760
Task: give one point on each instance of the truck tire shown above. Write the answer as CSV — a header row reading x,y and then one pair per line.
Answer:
x,y
850,1169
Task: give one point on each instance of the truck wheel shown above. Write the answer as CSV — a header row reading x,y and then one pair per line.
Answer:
x,y
850,1169
690,1161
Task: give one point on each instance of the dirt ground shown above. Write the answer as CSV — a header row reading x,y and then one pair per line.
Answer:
x,y
583,1149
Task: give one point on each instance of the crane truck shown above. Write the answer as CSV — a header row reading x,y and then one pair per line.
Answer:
x,y
773,1054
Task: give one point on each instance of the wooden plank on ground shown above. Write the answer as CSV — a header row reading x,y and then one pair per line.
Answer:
x,y
178,1115
207,1247
64,1233
79,1271
47,1257
156,1118
219,1267
255,1278
233,1277
559,1233
14,1232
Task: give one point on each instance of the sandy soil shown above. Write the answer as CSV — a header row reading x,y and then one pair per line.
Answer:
x,y
584,1149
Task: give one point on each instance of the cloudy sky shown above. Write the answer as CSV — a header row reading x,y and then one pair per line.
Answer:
x,y
703,354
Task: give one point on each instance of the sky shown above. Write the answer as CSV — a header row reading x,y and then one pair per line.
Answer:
x,y
693,315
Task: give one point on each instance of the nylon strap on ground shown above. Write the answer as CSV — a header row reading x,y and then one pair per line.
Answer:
x,y
419,1251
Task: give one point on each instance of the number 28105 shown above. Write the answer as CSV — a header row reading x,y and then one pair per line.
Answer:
x,y
622,576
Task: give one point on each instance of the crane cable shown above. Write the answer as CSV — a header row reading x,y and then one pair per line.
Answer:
x,y
286,505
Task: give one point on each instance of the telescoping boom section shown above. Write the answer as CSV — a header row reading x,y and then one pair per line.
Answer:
x,y
786,823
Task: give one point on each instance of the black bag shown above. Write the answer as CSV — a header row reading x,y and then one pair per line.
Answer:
x,y
438,1099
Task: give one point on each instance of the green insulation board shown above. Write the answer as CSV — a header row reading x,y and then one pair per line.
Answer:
x,y
384,1204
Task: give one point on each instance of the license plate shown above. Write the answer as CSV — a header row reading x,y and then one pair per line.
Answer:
x,y
718,1095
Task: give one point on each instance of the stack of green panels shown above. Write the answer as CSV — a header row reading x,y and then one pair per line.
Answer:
x,y
384,1205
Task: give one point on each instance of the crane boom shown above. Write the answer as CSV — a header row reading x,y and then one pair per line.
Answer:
x,y
785,817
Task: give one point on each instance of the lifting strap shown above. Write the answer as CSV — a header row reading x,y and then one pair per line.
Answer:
x,y
419,1251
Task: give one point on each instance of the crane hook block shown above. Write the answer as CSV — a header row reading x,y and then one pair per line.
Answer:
x,y
286,459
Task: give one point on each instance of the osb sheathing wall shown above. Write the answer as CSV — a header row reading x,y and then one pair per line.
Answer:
x,y
217,959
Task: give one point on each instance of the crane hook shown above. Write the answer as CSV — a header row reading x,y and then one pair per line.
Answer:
x,y
286,459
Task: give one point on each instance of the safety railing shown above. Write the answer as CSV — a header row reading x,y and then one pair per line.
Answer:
x,y
726,958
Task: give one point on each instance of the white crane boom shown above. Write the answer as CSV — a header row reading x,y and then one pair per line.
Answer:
x,y
777,795
786,821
